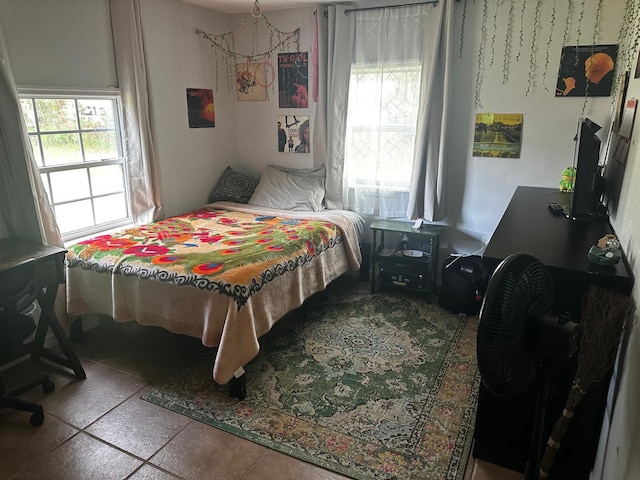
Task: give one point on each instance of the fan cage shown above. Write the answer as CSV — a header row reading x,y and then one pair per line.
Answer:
x,y
519,291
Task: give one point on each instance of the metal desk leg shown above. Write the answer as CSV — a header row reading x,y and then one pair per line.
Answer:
x,y
374,259
46,299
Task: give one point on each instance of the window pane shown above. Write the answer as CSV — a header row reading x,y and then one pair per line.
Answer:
x,y
382,116
95,113
71,138
74,216
70,185
61,148
100,145
27,112
36,149
110,208
107,179
56,114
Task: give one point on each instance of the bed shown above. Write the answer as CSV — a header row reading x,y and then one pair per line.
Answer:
x,y
224,273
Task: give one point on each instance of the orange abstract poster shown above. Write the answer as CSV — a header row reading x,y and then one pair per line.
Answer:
x,y
200,108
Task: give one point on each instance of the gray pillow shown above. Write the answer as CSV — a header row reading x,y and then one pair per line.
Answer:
x,y
233,186
289,191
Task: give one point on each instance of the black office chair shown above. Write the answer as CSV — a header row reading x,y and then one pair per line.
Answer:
x,y
17,293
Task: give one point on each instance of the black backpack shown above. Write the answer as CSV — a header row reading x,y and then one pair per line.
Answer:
x,y
464,282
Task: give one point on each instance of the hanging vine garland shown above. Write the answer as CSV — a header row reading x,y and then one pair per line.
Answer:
x,y
522,12
630,35
548,47
534,48
596,29
579,26
565,35
507,44
227,57
483,41
495,29
464,19
576,12
567,25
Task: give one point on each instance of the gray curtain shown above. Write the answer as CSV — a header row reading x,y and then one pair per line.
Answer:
x,y
336,37
426,194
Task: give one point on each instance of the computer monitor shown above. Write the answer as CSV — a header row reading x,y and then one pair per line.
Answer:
x,y
589,183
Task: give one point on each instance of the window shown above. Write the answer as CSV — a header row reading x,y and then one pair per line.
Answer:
x,y
386,90
380,140
381,125
77,145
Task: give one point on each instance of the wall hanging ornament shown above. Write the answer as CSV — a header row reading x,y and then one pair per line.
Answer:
x,y
531,30
228,58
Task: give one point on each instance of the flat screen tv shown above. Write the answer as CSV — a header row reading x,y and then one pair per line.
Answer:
x,y
589,184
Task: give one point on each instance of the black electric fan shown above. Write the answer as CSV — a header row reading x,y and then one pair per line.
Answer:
x,y
519,340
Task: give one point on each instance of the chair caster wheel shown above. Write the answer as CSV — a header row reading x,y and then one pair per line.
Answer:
x,y
37,418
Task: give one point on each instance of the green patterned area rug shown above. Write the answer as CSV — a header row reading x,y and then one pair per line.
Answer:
x,y
380,386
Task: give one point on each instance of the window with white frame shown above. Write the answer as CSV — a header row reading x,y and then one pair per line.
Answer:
x,y
77,144
381,131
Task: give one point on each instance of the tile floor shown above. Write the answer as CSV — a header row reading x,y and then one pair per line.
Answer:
x,y
99,428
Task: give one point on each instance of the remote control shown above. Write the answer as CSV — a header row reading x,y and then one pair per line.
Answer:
x,y
556,209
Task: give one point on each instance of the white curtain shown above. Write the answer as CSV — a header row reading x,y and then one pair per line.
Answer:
x,y
388,36
142,166
25,211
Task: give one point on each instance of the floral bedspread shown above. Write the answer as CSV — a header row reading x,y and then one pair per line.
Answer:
x,y
232,252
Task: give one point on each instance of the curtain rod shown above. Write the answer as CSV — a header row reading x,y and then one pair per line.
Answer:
x,y
425,2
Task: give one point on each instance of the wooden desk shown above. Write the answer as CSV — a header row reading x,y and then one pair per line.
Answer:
x,y
528,226
49,274
504,424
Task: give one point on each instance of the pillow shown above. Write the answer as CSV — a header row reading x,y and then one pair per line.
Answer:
x,y
319,171
233,186
289,191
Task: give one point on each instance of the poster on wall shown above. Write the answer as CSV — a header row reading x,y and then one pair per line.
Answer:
x,y
293,80
200,108
586,70
497,135
628,118
294,134
251,82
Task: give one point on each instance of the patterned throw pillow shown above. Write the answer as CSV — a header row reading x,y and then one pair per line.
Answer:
x,y
233,186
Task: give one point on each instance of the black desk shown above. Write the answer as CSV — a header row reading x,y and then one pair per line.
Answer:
x,y
504,425
48,275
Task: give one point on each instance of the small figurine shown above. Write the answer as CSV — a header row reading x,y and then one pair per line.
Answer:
x,y
606,251
568,179
608,242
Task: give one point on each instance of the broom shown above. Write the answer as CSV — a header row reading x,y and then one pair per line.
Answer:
x,y
605,314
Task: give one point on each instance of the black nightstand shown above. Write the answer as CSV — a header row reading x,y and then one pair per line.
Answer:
x,y
411,264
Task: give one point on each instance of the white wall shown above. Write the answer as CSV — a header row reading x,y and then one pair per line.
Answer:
x,y
621,459
66,43
256,144
479,188
191,159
